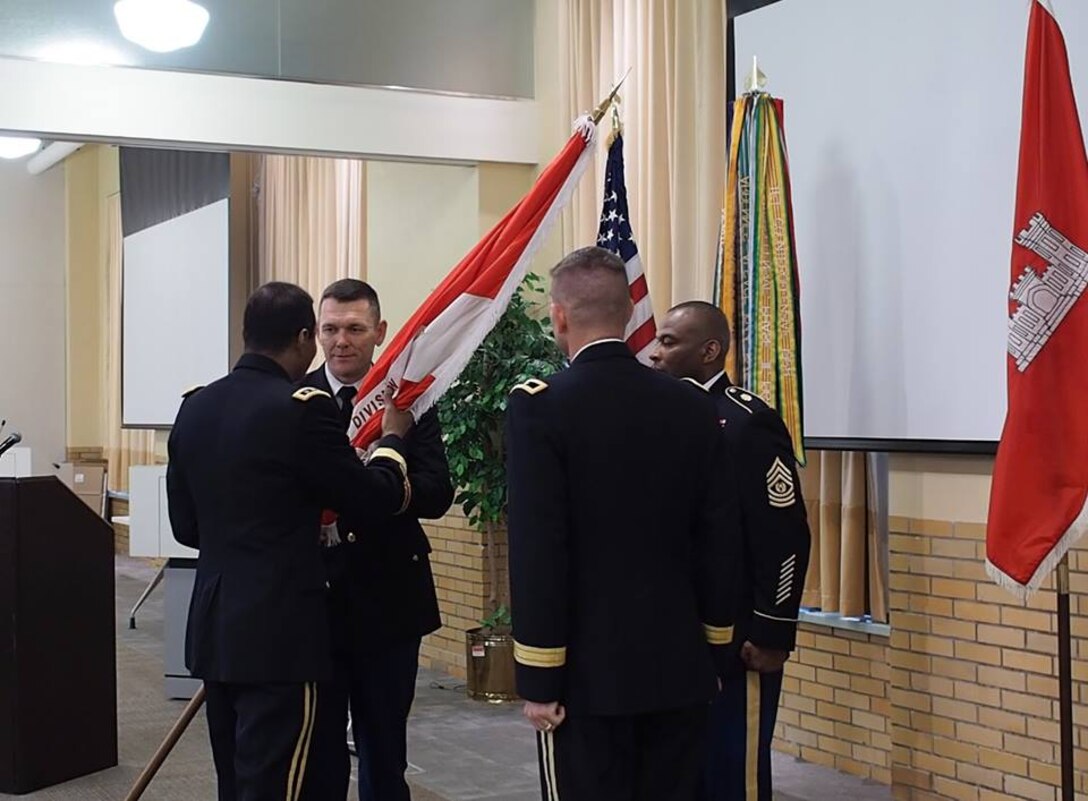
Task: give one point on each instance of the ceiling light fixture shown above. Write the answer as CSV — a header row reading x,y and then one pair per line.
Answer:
x,y
81,52
15,147
161,25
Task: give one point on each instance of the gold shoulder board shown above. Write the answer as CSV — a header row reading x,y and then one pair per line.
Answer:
x,y
191,390
306,393
532,386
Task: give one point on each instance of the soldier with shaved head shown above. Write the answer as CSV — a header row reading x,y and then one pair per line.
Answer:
x,y
618,617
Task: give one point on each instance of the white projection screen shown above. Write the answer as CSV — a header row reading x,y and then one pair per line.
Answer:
x,y
176,279
903,122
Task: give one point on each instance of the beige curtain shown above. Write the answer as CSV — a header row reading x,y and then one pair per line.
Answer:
x,y
877,482
124,447
673,110
844,499
311,220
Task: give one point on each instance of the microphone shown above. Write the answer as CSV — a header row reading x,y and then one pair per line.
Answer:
x,y
13,439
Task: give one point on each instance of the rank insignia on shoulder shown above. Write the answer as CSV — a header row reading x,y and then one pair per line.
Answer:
x,y
307,393
191,390
533,386
745,399
780,489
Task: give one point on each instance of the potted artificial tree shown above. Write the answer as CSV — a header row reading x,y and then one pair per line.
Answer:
x,y
472,413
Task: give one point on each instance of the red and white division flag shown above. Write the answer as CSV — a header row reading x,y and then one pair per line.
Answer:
x,y
430,351
1040,485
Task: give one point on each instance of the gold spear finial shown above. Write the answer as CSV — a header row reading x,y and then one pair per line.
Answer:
x,y
602,109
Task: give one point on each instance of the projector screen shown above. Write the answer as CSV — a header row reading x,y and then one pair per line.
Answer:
x,y
175,279
902,121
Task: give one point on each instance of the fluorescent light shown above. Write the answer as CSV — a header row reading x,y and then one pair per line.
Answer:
x,y
79,52
15,147
161,25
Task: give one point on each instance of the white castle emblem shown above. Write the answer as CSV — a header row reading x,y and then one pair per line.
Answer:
x,y
1045,299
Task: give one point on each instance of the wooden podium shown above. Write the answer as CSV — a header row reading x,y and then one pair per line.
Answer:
x,y
58,674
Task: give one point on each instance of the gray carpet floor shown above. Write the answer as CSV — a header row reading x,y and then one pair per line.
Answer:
x,y
460,750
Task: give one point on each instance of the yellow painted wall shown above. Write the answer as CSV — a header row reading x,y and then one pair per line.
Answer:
x,y
554,129
91,176
421,220
500,187
940,487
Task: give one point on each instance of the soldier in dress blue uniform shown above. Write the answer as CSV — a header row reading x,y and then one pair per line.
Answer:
x,y
253,461
621,555
692,344
382,599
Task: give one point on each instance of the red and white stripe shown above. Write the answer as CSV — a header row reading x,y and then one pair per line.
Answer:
x,y
641,330
430,351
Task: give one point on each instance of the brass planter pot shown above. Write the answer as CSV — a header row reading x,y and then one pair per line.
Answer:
x,y
490,658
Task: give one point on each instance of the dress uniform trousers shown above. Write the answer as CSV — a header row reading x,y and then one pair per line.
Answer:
x,y
382,689
741,727
261,736
379,687
381,603
650,757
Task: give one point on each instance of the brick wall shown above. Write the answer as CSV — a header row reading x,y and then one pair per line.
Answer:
x,y
835,708
970,677
464,584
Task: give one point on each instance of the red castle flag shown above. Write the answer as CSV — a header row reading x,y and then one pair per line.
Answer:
x,y
1040,486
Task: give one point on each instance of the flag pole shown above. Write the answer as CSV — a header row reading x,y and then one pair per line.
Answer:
x,y
167,746
602,107
1065,680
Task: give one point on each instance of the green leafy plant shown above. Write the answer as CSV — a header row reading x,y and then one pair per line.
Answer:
x,y
473,412
498,621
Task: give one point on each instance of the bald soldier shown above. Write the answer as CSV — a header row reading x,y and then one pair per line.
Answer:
x,y
616,614
692,343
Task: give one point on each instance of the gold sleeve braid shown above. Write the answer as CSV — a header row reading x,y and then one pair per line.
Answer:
x,y
533,656
407,496
718,635
394,456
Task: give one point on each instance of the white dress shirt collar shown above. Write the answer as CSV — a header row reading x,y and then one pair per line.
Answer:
x,y
591,344
336,384
714,380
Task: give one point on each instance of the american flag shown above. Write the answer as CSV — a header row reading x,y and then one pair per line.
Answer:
x,y
615,235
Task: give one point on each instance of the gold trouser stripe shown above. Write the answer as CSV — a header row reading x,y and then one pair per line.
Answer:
x,y
532,656
542,754
751,748
547,765
718,635
391,454
306,747
302,748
